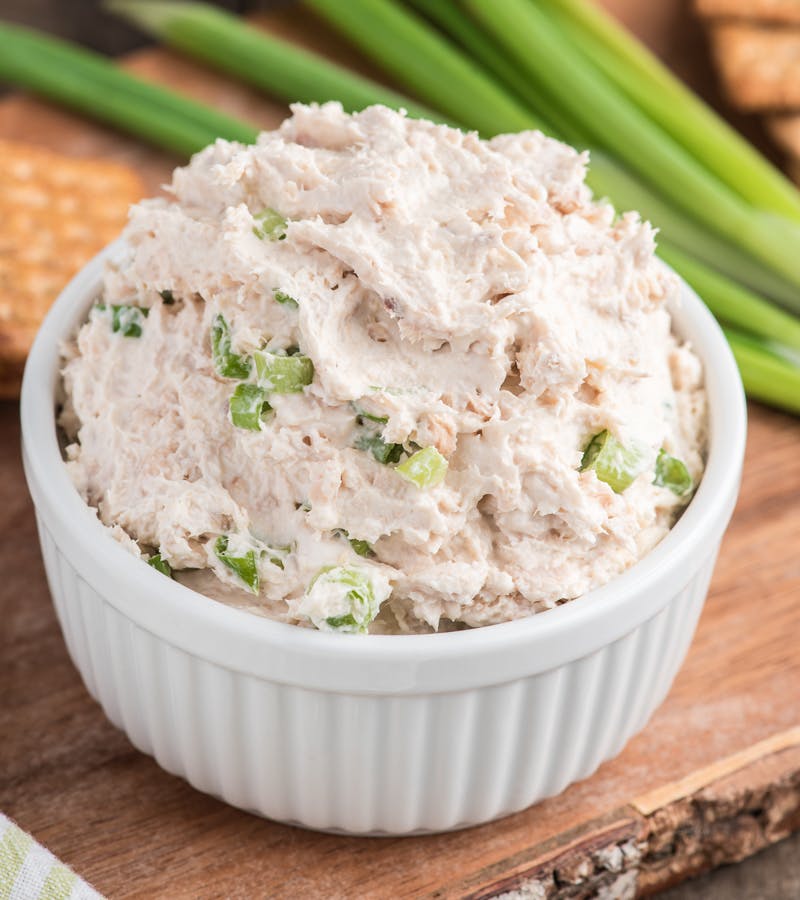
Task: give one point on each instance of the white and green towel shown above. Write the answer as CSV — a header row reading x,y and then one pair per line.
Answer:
x,y
29,872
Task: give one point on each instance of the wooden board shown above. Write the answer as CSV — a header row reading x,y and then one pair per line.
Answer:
x,y
714,776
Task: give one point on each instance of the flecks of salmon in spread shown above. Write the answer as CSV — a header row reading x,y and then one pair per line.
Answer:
x,y
428,290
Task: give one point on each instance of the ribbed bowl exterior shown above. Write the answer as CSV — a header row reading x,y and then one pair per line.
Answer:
x,y
370,763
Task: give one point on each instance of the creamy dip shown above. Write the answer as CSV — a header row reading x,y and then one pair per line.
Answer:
x,y
376,373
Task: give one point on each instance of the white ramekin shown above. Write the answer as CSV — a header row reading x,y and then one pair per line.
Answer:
x,y
373,734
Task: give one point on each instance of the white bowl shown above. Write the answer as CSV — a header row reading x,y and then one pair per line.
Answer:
x,y
373,734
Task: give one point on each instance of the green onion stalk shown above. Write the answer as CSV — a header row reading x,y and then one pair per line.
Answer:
x,y
221,39
481,48
448,80
637,72
732,303
93,85
767,373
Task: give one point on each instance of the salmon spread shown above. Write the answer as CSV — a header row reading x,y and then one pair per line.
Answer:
x,y
375,374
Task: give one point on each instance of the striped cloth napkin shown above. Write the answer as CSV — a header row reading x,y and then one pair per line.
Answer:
x,y
29,872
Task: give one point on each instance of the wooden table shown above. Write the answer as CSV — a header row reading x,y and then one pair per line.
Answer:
x,y
714,776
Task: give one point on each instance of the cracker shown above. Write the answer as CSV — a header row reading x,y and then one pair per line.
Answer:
x,y
56,212
760,66
785,12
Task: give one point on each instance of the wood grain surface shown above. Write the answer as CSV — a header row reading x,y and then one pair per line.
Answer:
x,y
713,777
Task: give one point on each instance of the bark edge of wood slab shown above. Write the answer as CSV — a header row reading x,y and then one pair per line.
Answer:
x,y
719,814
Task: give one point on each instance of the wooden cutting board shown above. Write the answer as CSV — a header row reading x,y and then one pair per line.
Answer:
x,y
714,777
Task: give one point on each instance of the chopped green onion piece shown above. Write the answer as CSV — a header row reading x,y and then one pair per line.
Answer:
x,y
343,598
426,468
97,86
227,363
384,453
343,623
126,320
168,297
613,463
247,404
245,565
285,299
160,565
361,547
277,555
283,374
370,417
369,438
672,473
270,225
392,391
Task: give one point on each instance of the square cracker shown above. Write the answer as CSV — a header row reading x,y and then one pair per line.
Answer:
x,y
760,66
777,11
56,213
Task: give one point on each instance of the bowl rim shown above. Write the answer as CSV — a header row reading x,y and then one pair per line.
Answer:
x,y
239,640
